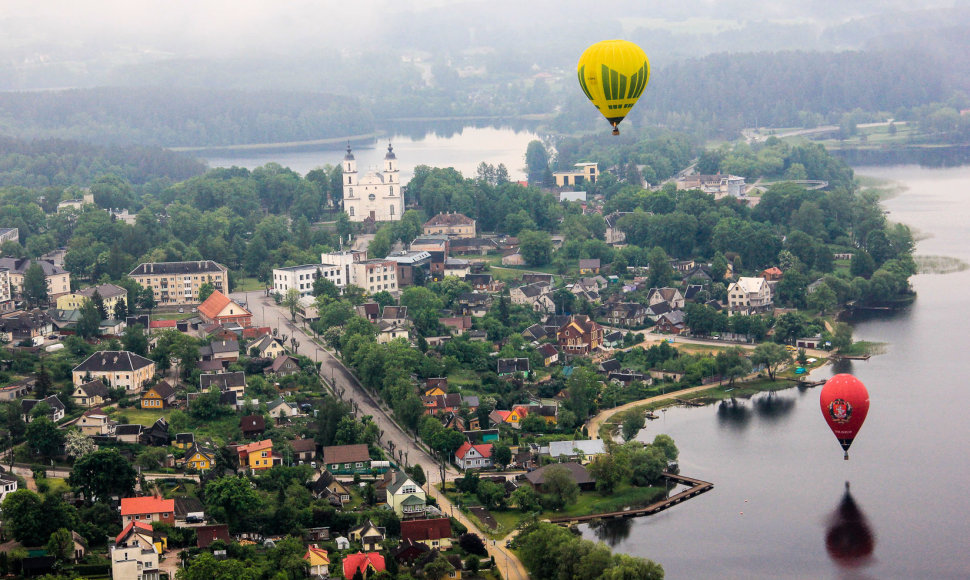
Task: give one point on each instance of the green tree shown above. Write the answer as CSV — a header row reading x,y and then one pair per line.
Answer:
x,y
35,285
841,337
501,455
134,340
89,323
101,474
822,299
98,301
647,466
535,247
525,499
772,355
205,290
325,287
44,437
537,162
632,423
31,519
120,309
559,488
292,301
661,274
77,444
666,444
61,545
234,497
607,472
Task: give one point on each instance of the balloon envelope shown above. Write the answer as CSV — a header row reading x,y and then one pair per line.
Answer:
x,y
845,404
613,74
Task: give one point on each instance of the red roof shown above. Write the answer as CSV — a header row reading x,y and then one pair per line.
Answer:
x,y
485,449
139,525
215,303
161,324
131,506
255,446
423,530
361,561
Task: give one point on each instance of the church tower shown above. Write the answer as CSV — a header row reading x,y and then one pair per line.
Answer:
x,y
375,196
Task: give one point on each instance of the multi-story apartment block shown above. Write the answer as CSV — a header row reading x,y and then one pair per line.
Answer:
x,y
374,275
176,283
301,278
58,279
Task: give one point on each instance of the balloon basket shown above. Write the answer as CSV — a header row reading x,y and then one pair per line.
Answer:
x,y
616,131
846,458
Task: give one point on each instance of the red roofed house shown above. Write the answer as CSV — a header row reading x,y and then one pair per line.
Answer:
x,y
153,324
136,551
205,535
434,532
258,455
220,309
319,561
470,456
367,564
147,509
772,274
580,336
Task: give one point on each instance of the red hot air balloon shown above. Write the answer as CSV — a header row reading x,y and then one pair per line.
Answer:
x,y
845,403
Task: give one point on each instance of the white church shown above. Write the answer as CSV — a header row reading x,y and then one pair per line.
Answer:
x,y
375,195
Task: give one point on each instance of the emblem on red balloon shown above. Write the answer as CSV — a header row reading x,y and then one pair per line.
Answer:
x,y
845,403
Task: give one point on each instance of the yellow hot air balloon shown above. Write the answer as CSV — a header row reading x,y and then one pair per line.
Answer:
x,y
613,74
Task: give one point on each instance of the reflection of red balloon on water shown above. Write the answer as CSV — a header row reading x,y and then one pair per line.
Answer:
x,y
849,539
845,403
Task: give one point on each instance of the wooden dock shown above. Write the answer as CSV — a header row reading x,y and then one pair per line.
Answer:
x,y
697,487
851,356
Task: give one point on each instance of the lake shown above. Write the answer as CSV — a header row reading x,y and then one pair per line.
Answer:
x,y
779,507
462,148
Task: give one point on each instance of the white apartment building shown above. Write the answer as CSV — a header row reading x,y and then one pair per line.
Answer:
x,y
749,295
374,275
301,278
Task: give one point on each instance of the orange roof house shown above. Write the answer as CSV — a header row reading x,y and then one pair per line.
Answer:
x,y
318,559
368,564
147,509
258,455
772,274
220,309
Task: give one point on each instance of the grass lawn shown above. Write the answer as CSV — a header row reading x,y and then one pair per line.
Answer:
x,y
248,285
465,378
141,416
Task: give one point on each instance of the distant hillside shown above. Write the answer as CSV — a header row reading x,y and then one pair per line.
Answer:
x,y
60,163
171,117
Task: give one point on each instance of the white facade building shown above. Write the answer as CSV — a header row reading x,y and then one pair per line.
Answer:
x,y
749,295
374,275
302,278
375,195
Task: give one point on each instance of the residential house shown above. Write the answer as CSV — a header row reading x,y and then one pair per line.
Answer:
x,y
627,314
537,297
435,386
581,173
455,565
408,551
589,266
576,472
480,282
156,435
367,565
178,283
147,509
347,459
57,279
719,185
470,456
220,309
405,496
749,296
368,535
388,331
318,561
457,324
129,433
614,235
184,441
80,545
225,351
655,311
582,451
258,455
613,339
772,274
90,394
8,485
671,296
119,368
135,553
580,336
234,381
550,354
512,367
281,410
511,418
374,275
22,326
671,322
110,295
282,366
206,535
473,304
537,278
513,258
450,224
447,403
200,458
95,422
160,396
55,414
534,332
432,532
304,450
267,347
252,426
326,486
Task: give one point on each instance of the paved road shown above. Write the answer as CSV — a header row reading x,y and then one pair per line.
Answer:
x,y
395,440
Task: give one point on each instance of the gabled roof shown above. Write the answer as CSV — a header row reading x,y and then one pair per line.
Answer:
x,y
279,361
252,423
423,530
512,365
136,526
301,445
113,361
547,350
95,388
216,303
576,471
208,534
346,453
55,404
589,263
255,446
163,390
360,562
316,556
146,505
450,219
129,429
484,449
222,380
105,290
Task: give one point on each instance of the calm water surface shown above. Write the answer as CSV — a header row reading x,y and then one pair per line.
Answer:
x,y
463,150
779,508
